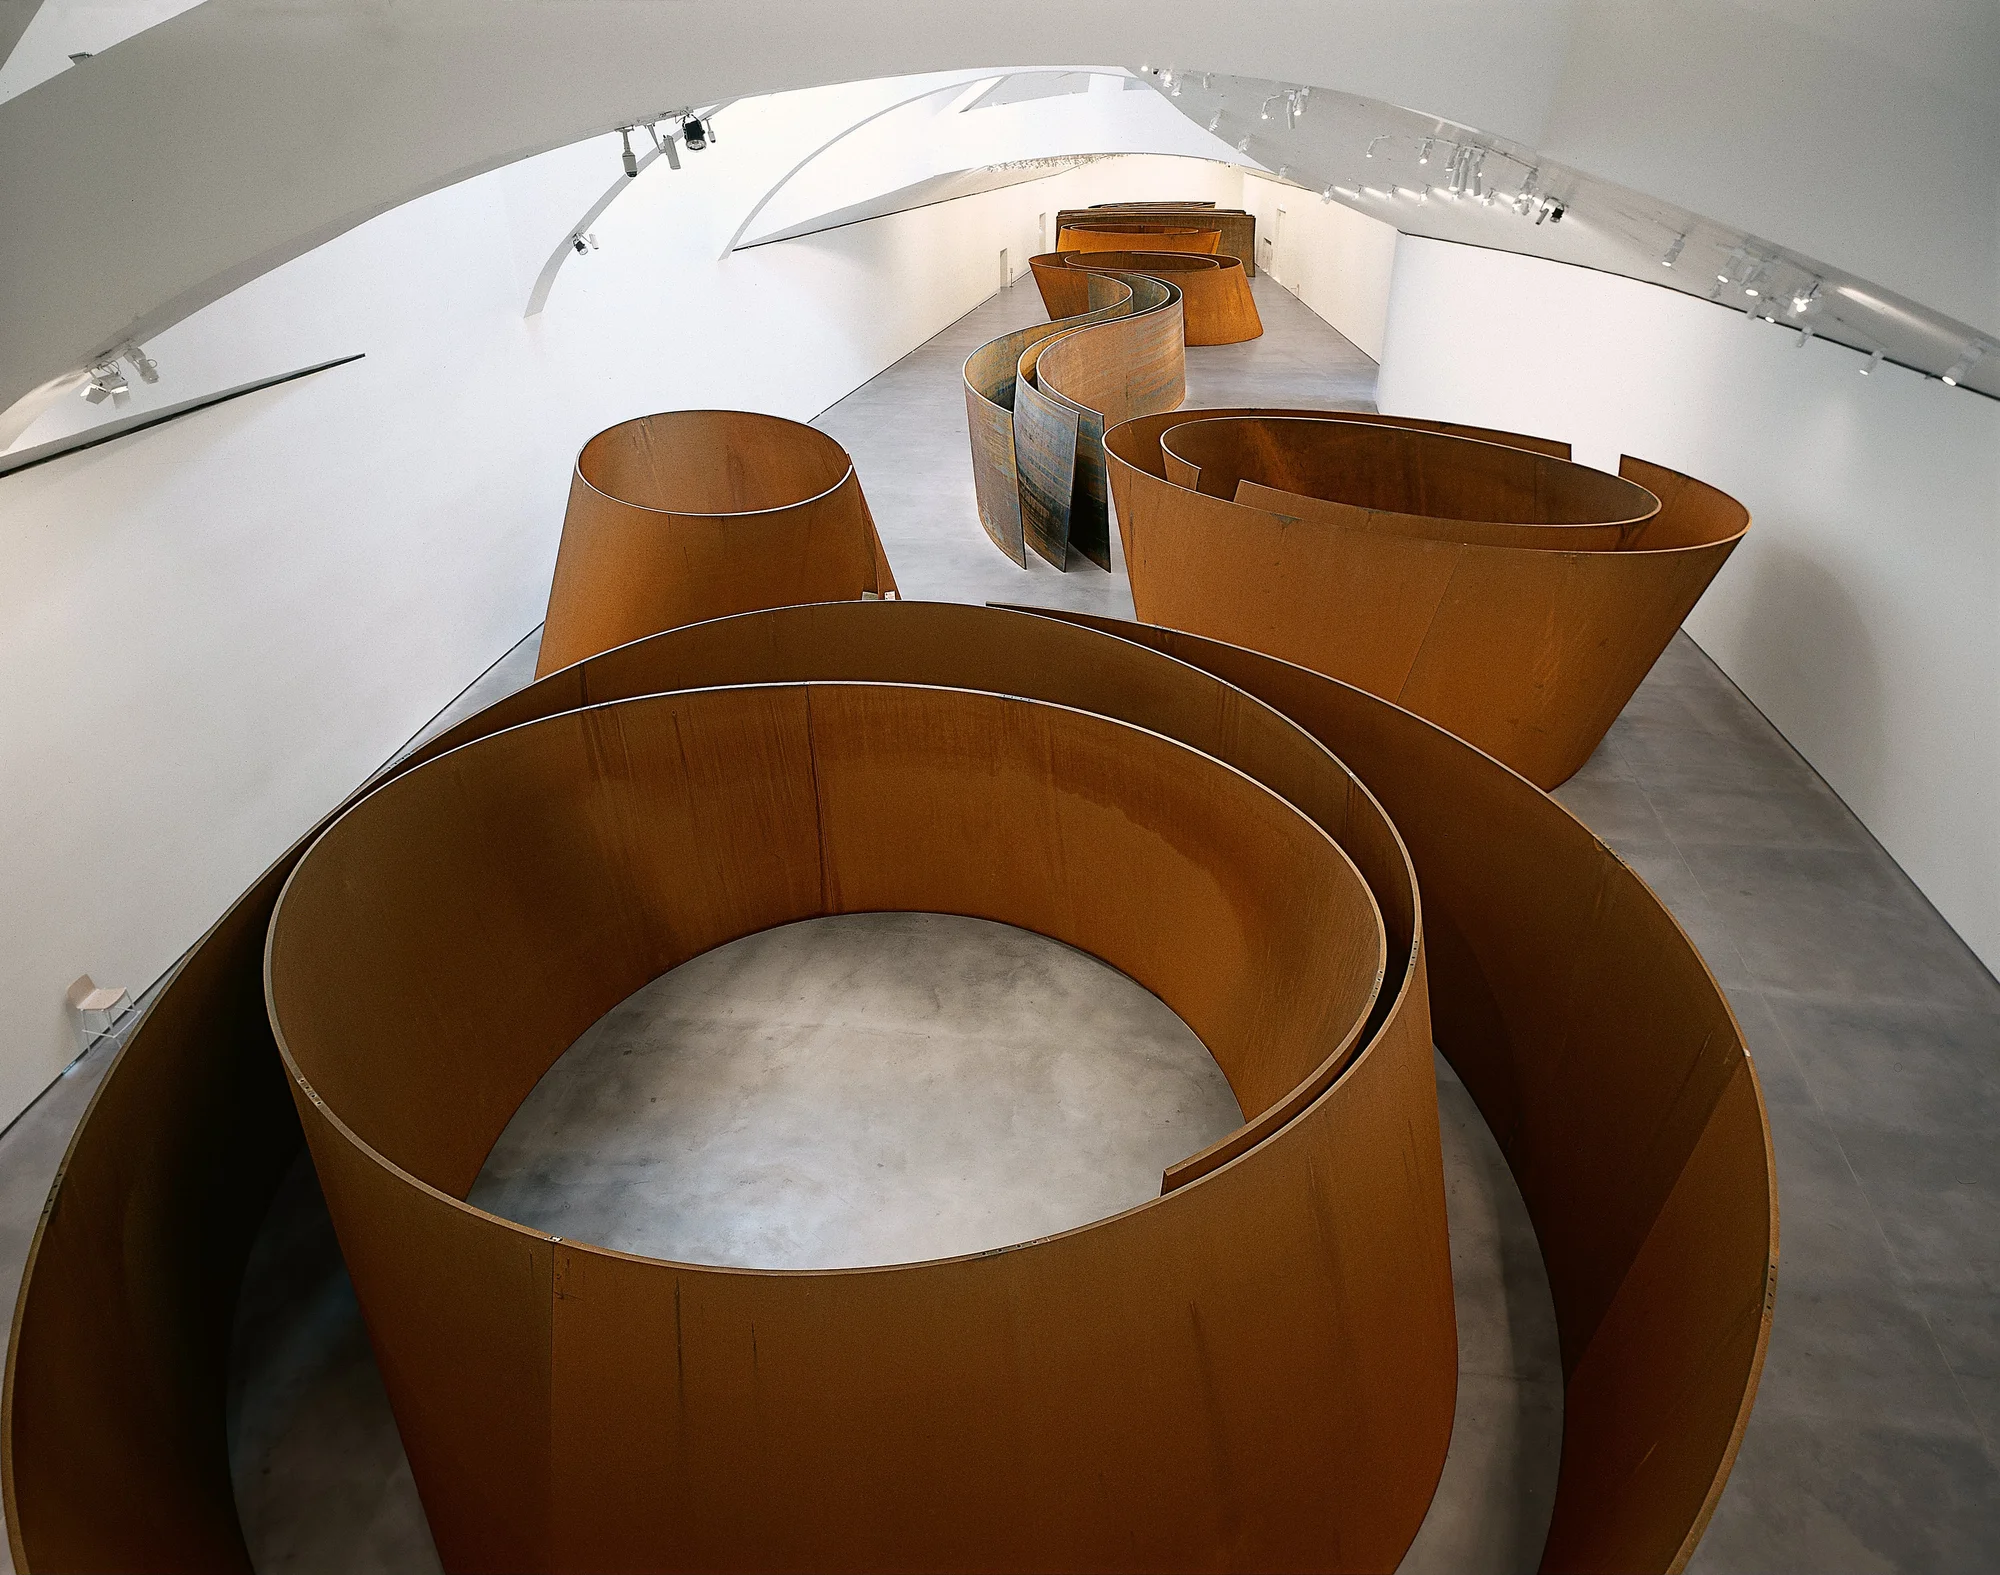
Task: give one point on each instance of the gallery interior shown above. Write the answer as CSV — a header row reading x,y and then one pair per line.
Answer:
x,y
1040,788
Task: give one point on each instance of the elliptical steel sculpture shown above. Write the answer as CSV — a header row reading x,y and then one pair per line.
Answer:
x,y
1236,228
696,514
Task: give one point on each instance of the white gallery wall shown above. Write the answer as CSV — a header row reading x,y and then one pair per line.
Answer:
x,y
1862,612
212,631
1335,260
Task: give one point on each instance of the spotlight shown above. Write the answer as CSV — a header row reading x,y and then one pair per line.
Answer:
x,y
663,144
1802,300
1326,194
1874,361
696,133
105,381
147,368
1264,111
1284,172
628,158
1552,209
1424,150
1673,252
1805,333
1299,103
1215,120
1965,363
1242,144
583,242
1384,137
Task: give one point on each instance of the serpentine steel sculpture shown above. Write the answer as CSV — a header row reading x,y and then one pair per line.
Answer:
x,y
1255,1370
1038,401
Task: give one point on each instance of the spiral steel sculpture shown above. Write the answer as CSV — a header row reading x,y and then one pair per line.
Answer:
x,y
1256,1370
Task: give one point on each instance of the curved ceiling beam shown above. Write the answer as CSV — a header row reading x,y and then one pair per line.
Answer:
x,y
15,15
208,150
842,135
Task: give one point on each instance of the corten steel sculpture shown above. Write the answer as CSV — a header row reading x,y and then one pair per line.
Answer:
x,y
1129,237
1237,227
697,514
1217,307
1038,401
1508,595
1253,1371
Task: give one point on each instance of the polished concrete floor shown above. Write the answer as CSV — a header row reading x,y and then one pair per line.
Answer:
x,y
1876,1034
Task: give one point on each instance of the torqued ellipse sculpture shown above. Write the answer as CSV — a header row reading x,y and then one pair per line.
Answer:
x,y
1506,594
697,514
1255,1370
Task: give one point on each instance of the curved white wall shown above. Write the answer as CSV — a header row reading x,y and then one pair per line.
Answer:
x,y
212,631
1862,612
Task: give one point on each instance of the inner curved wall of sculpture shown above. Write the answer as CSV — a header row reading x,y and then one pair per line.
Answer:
x,y
696,514
1610,1068
1216,302
1238,227
1513,598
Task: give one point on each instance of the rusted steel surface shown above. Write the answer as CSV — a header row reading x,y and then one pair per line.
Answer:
x,y
1215,294
1257,1369
1506,594
697,514
1238,228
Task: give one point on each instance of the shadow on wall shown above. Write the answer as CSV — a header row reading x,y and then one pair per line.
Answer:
x,y
1808,629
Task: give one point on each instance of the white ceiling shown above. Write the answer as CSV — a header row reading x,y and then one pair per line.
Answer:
x,y
205,150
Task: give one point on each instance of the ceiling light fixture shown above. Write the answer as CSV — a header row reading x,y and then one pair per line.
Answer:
x,y
1382,137
147,368
1242,144
1965,363
1673,252
1802,300
1552,209
105,381
628,158
1805,333
663,144
1215,120
1424,150
1874,361
696,133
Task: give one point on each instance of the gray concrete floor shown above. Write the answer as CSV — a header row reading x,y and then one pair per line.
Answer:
x,y
1875,1032
872,1088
